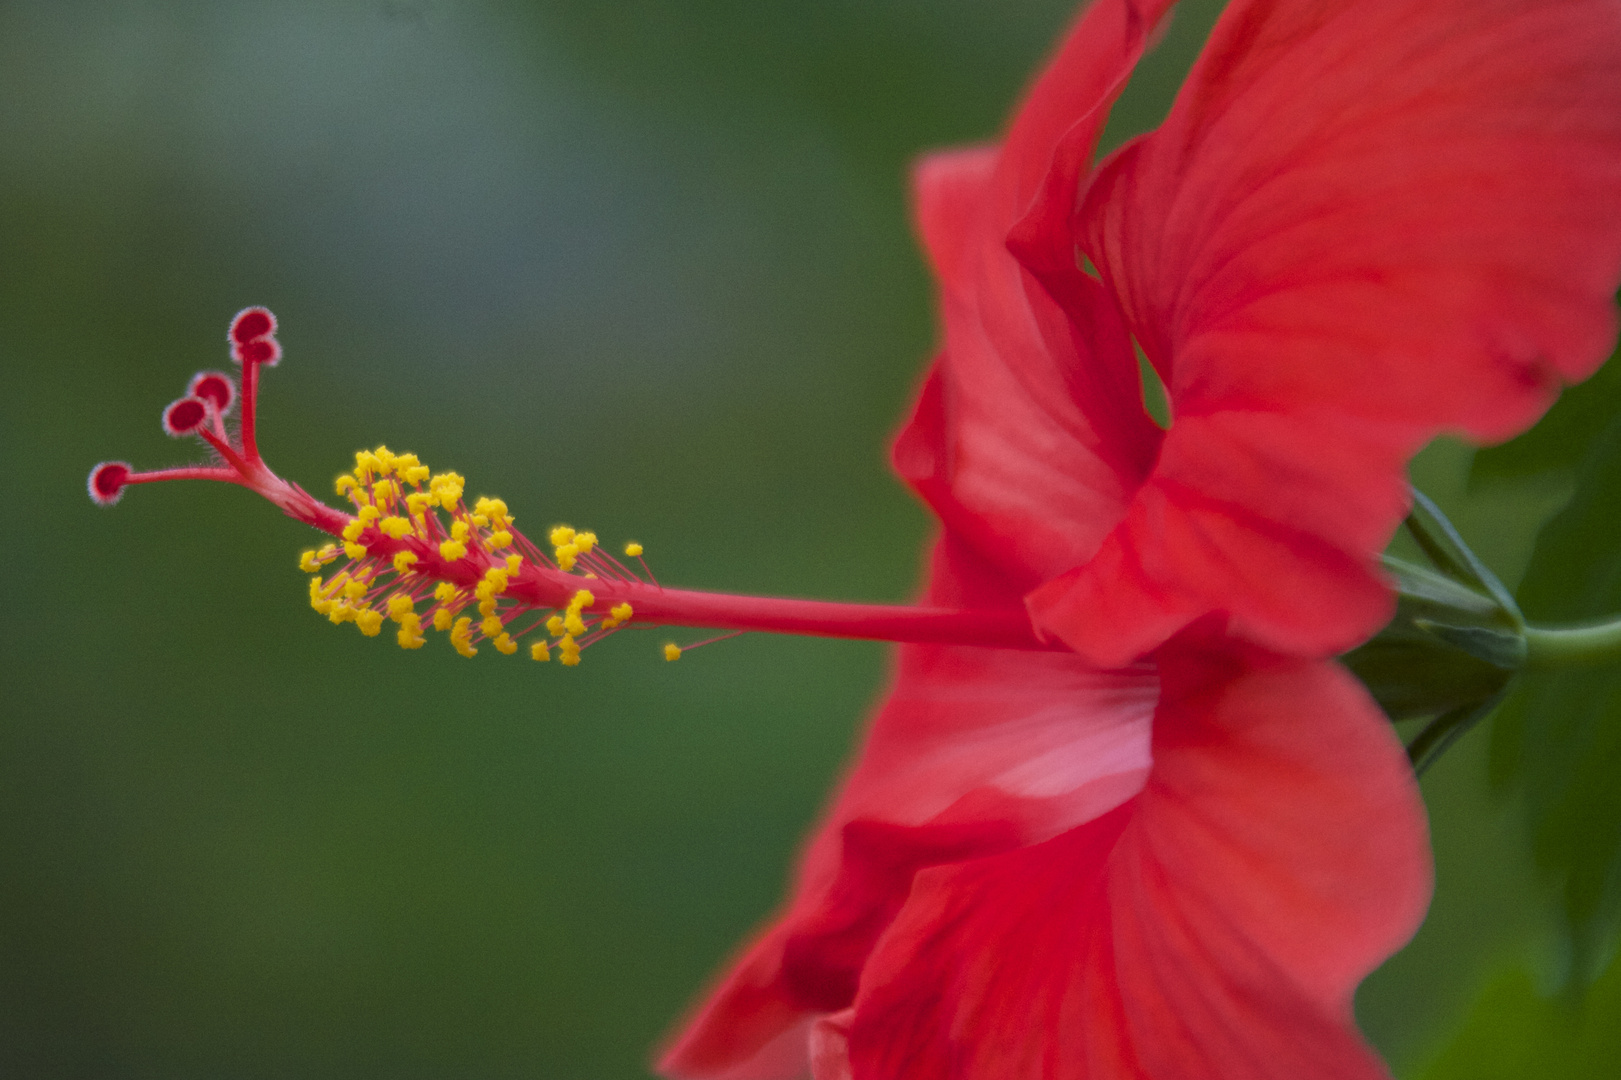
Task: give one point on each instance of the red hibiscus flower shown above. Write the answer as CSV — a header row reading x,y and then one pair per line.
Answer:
x,y
1362,224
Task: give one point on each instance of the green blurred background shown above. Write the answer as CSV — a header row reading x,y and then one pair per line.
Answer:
x,y
643,266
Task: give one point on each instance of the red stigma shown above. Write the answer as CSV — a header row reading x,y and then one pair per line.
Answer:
x,y
184,416
107,482
250,324
264,351
215,388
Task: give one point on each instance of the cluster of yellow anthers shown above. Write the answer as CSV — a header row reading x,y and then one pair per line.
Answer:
x,y
398,497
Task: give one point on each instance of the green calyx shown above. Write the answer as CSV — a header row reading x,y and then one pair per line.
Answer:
x,y
1458,640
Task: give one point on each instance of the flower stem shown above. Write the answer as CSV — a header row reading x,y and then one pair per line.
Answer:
x,y
1571,646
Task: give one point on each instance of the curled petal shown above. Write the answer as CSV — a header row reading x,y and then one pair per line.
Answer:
x,y
1362,224
1215,925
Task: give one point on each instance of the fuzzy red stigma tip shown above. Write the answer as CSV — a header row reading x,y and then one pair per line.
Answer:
x,y
184,417
250,324
107,482
214,387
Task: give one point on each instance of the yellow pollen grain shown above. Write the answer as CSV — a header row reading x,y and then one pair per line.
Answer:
x,y
539,651
505,645
451,550
340,612
354,590
441,619
568,651
352,531
309,562
554,626
403,561
514,563
491,627
370,514
622,612
672,651
634,550
486,606
354,550
500,539
370,621
398,606
444,592
396,527
561,535
565,556
585,541
344,484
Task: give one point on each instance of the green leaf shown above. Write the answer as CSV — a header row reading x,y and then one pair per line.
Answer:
x,y
1562,439
1512,1033
1558,739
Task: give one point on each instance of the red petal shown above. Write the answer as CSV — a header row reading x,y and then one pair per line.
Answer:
x,y
1216,925
1383,219
974,752
1029,438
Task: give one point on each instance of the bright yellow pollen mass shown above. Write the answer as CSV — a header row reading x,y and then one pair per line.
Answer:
x,y
672,651
568,651
370,621
505,645
397,528
451,550
634,550
398,605
441,619
403,561
491,627
561,535
538,651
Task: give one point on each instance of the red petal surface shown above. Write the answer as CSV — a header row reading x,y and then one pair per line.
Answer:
x,y
1028,438
1216,925
974,752
1362,224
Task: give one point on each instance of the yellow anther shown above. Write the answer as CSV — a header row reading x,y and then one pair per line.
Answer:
x,y
491,627
309,562
451,550
403,561
480,520
354,590
416,503
370,621
539,651
344,484
366,462
554,626
561,535
459,530
505,645
494,583
361,497
672,651
445,592
340,612
581,600
565,556
500,539
486,606
414,474
514,563
461,637
574,624
399,606
396,527
568,651
385,460
621,612
411,639
354,550
447,487
441,619
571,619
634,550
352,531
405,461
369,514
585,541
